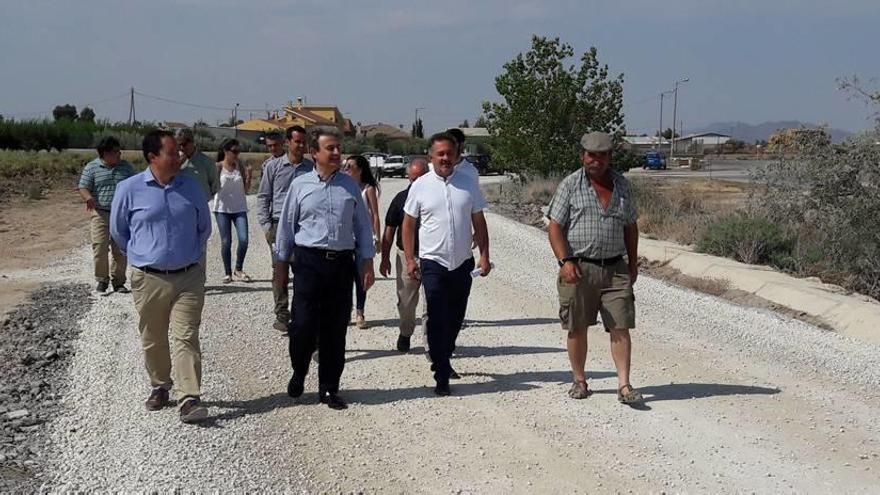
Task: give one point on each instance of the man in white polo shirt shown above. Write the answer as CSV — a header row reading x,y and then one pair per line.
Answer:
x,y
449,208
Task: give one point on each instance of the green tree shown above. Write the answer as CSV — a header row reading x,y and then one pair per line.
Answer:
x,y
464,125
667,134
548,105
418,131
64,112
380,142
86,115
481,122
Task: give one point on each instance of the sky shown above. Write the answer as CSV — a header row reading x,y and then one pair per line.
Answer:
x,y
749,61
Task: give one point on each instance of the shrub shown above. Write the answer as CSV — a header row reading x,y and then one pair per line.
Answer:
x,y
748,239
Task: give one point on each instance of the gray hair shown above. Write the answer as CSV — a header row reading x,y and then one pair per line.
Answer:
x,y
316,132
184,134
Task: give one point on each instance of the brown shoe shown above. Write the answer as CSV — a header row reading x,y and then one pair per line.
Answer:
x,y
158,399
192,410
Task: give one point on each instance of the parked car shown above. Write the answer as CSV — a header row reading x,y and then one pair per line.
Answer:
x,y
394,165
654,160
481,162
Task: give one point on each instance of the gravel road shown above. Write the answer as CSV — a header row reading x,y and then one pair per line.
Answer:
x,y
738,399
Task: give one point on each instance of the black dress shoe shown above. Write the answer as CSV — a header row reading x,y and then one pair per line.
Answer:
x,y
295,386
442,389
403,343
102,287
453,375
333,401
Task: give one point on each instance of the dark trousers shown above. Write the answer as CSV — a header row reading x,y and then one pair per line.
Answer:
x,y
321,311
446,295
280,294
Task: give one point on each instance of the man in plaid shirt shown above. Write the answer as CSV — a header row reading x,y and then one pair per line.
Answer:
x,y
594,236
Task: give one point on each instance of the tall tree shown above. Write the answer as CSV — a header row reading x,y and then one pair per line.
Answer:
x,y
464,125
64,112
87,115
548,104
418,130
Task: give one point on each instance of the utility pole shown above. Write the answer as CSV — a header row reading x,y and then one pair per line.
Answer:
x,y
235,119
660,133
131,115
674,109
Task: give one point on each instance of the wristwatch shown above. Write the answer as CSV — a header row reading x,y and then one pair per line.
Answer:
x,y
566,259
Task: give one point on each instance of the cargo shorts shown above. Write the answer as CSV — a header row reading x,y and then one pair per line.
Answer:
x,y
602,289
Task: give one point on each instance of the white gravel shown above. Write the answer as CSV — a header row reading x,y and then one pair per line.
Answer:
x,y
739,399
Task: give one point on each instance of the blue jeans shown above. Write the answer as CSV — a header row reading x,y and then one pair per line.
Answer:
x,y
446,296
224,225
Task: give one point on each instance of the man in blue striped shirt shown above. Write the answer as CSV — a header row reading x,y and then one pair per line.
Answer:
x,y
160,218
97,185
323,221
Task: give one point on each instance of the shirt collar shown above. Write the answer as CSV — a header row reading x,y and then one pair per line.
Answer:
x,y
148,177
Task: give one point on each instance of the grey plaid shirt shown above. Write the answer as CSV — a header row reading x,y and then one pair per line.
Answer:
x,y
592,231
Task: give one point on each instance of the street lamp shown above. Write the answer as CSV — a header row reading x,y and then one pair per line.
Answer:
x,y
674,109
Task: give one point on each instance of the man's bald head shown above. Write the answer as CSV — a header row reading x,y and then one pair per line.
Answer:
x,y
416,168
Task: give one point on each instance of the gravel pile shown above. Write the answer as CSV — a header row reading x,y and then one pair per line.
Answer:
x,y
36,344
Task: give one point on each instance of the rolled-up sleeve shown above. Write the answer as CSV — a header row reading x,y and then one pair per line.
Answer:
x,y
559,208
363,229
284,235
265,197
119,214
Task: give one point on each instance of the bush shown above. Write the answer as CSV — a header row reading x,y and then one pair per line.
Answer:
x,y
747,239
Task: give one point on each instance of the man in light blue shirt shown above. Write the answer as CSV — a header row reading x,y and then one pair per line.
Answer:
x,y
323,222
160,219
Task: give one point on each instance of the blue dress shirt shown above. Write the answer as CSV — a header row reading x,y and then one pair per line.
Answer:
x,y
324,214
164,227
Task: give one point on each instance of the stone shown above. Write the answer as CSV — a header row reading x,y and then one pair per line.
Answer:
x,y
18,414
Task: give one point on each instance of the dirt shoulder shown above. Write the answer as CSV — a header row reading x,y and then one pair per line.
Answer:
x,y
36,233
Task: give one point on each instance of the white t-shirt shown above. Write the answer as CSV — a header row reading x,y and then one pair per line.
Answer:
x,y
444,208
230,198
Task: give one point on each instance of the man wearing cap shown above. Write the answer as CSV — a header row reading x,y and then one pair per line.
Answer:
x,y
594,235
196,164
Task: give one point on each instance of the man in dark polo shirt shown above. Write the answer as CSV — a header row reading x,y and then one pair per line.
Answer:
x,y
594,236
407,287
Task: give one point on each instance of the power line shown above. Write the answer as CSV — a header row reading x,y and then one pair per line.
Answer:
x,y
196,105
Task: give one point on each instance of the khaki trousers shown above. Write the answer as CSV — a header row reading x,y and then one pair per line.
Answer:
x,y
99,226
280,293
171,304
407,296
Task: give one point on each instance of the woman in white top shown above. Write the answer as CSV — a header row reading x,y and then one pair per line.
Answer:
x,y
230,208
358,167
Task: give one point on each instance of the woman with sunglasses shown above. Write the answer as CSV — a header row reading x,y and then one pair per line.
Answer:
x,y
230,208
358,167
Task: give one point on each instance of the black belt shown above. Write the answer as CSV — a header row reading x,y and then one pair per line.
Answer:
x,y
150,269
601,261
329,254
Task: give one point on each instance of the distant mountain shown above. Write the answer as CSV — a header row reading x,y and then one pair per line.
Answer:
x,y
761,132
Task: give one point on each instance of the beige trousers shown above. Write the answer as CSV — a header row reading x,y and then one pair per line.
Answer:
x,y
171,304
407,296
99,226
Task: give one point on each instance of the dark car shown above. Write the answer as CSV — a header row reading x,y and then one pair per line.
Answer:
x,y
481,162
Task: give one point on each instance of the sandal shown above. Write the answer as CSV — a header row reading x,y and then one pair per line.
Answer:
x,y
579,390
227,279
242,276
631,397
